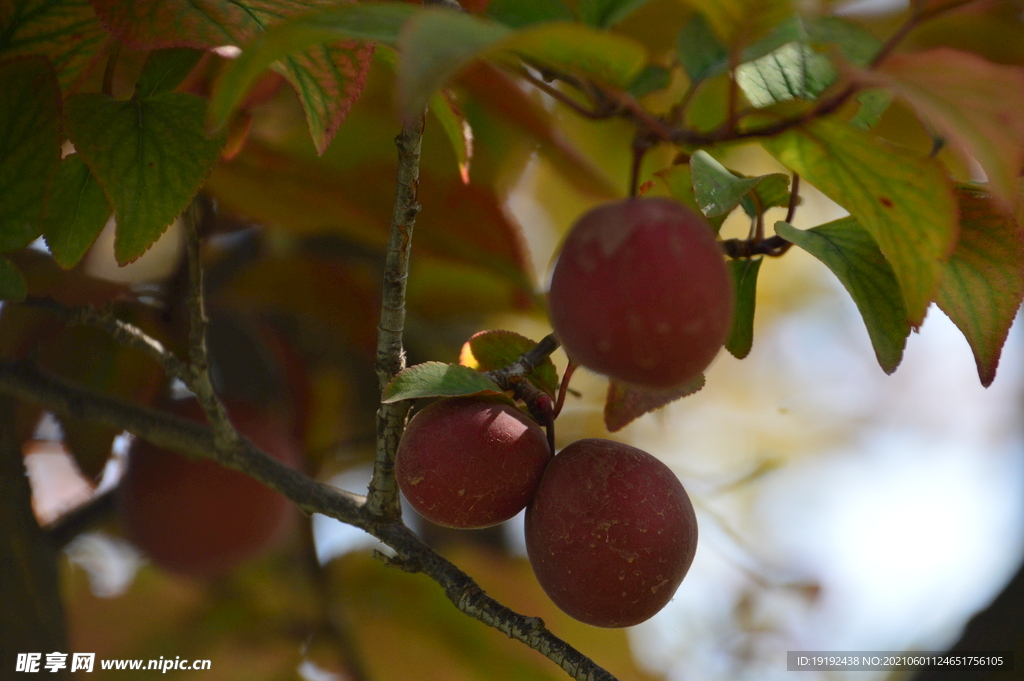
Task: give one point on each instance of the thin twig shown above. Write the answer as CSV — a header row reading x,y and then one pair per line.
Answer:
x,y
199,361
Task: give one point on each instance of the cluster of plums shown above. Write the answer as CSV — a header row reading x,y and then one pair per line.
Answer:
x,y
640,293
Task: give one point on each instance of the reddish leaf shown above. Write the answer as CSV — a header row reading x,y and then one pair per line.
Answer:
x,y
67,33
975,105
466,223
328,78
625,404
490,350
983,283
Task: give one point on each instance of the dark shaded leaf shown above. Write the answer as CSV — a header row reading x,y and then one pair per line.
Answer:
x,y
607,13
744,278
66,32
76,211
519,13
699,50
651,79
12,283
624,404
29,147
165,69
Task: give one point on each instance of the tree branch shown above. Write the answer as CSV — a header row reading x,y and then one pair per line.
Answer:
x,y
382,498
26,383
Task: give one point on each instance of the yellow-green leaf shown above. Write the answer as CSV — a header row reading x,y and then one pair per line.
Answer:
x,y
974,105
903,199
848,250
491,350
435,44
983,283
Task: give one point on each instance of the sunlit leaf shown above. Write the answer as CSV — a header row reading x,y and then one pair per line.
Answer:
x,y
150,156
900,197
744,277
976,106
437,379
624,404
435,44
327,77
165,69
794,71
456,128
29,147
518,13
606,13
76,211
490,350
12,283
983,282
848,250
716,189
378,22
66,32
679,181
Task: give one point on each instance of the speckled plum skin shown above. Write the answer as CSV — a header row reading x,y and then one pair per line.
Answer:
x,y
195,517
610,533
470,463
641,293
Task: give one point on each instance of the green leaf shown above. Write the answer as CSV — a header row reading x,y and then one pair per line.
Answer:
x,y
857,45
29,147
12,283
651,79
379,22
900,197
848,250
519,13
435,44
717,190
699,50
491,350
771,191
983,282
794,71
607,13
739,23
66,32
150,156
744,277
76,211
437,379
679,180
165,69
328,78
624,404
873,103
974,105
456,128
